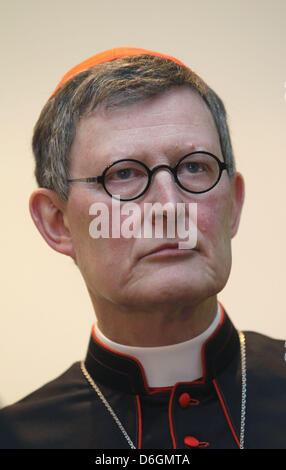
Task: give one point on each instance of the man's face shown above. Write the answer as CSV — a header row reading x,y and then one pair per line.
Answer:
x,y
122,272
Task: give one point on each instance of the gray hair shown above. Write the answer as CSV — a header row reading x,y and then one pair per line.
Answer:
x,y
116,83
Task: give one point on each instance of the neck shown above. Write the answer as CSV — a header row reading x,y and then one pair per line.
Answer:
x,y
164,366
163,327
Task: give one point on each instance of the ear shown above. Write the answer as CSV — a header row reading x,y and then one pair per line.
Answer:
x,y
237,202
48,213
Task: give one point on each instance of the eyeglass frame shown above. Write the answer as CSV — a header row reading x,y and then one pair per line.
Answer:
x,y
100,179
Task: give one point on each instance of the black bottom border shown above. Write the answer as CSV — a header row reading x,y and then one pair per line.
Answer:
x,y
130,458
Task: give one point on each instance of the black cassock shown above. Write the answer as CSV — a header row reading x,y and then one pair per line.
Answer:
x,y
67,413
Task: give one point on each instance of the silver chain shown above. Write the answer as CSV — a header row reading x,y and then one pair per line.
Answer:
x,y
243,396
107,405
243,388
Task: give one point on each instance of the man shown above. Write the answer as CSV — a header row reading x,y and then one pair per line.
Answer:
x,y
165,367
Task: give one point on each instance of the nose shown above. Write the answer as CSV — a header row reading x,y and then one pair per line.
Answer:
x,y
163,187
168,200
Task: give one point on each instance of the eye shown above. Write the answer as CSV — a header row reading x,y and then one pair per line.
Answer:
x,y
124,174
195,167
125,171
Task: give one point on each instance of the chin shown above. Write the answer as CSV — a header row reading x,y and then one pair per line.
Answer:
x,y
187,286
170,294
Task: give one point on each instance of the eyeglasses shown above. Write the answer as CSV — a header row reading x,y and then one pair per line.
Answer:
x,y
129,179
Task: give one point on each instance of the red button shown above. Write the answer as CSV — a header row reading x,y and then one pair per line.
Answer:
x,y
185,400
191,441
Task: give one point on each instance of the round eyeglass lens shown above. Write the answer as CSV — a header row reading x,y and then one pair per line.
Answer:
x,y
198,172
126,178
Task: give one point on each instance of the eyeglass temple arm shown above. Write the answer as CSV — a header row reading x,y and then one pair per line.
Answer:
x,y
94,179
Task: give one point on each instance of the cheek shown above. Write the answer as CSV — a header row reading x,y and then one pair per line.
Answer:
x,y
214,239
211,225
97,254
214,217
214,235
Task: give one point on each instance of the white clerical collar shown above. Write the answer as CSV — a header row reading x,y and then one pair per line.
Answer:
x,y
166,365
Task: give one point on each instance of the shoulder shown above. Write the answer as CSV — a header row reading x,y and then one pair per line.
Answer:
x,y
266,391
67,382
44,412
262,340
266,355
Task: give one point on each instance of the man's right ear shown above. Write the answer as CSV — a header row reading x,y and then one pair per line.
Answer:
x,y
47,211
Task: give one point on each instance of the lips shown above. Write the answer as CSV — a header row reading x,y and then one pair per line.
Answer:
x,y
166,250
165,246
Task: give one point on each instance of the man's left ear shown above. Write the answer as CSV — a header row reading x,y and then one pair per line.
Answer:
x,y
237,202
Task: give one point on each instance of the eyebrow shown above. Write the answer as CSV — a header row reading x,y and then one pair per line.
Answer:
x,y
145,157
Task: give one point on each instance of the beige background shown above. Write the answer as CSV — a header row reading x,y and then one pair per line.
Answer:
x,y
239,48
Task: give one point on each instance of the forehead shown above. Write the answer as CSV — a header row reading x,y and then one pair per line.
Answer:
x,y
175,121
